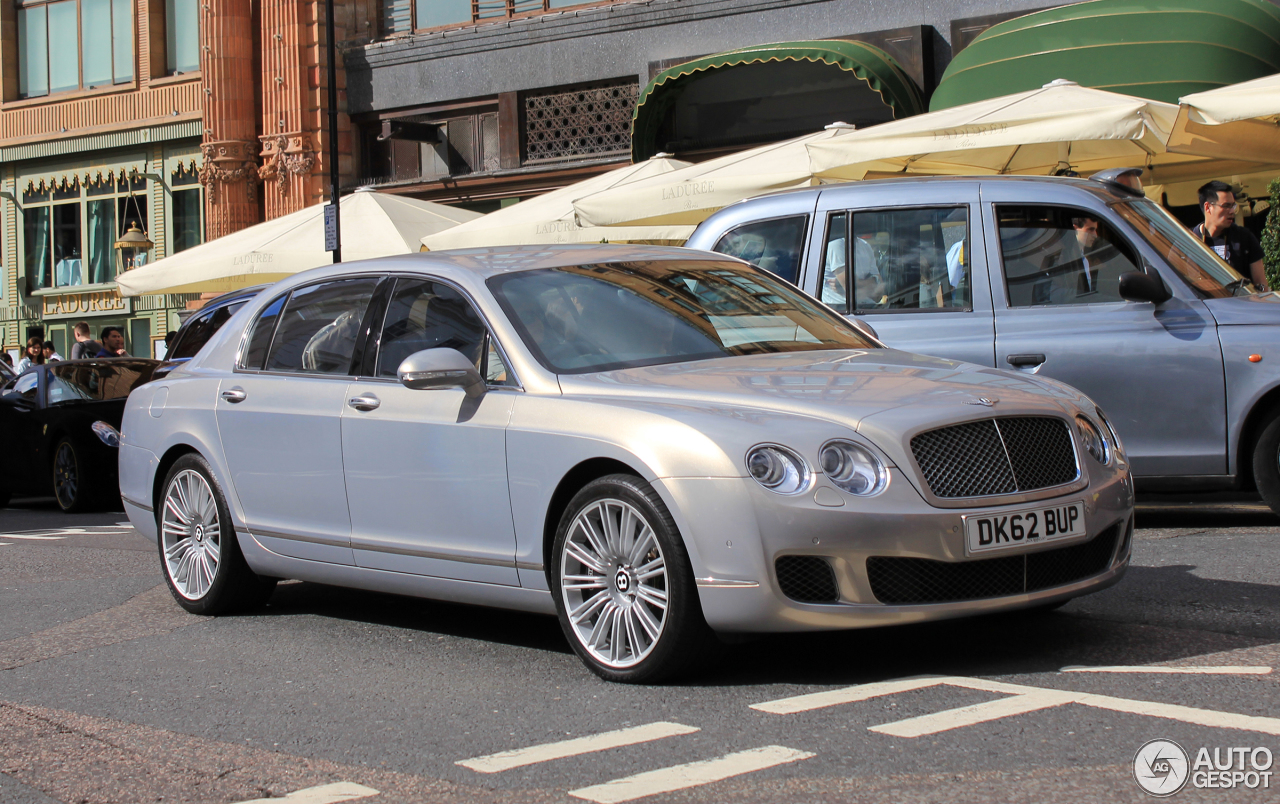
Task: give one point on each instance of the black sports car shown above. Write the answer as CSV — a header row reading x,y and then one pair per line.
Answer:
x,y
47,417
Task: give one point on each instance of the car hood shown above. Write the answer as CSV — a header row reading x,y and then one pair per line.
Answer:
x,y
885,394
1260,308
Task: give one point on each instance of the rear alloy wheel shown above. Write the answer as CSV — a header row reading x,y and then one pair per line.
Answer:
x,y
202,562
1266,463
624,589
69,486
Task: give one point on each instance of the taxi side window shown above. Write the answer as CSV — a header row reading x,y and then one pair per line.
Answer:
x,y
1060,255
898,259
774,245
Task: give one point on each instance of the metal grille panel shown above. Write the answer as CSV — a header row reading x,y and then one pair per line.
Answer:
x,y
996,456
966,460
807,579
922,580
564,125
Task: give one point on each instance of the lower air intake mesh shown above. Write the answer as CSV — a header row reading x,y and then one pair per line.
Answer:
x,y
807,579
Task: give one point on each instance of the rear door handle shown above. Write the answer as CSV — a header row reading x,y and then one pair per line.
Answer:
x,y
1025,360
364,402
233,395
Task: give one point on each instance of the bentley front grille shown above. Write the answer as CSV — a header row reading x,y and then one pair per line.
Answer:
x,y
996,456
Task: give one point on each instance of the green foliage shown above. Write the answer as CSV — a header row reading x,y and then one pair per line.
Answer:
x,y
1271,237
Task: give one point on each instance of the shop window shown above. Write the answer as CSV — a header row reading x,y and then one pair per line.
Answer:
x,y
104,31
182,36
188,208
591,121
404,16
458,146
69,231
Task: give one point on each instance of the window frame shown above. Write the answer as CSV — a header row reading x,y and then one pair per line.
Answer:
x,y
970,217
116,83
1134,254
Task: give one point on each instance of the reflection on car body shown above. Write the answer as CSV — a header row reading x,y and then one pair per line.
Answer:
x,y
653,444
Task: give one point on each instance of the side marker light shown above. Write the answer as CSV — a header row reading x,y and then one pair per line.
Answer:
x,y
1255,358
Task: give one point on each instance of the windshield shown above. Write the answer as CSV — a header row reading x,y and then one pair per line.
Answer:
x,y
1195,262
588,318
96,381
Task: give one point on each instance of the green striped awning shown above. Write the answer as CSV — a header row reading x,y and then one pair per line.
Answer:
x,y
877,69
1157,49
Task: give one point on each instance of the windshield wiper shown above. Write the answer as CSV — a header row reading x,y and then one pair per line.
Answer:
x,y
1238,285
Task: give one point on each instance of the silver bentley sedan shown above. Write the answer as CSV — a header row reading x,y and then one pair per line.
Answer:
x,y
656,445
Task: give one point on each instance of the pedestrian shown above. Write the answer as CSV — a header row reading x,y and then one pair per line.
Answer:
x,y
84,346
1235,244
7,358
112,343
34,354
50,352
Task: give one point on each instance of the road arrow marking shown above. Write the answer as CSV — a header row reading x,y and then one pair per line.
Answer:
x,y
692,774
493,763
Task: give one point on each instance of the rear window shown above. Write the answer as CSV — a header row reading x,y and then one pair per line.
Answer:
x,y
193,337
96,382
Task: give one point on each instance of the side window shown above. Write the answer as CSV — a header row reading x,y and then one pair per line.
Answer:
x,y
27,386
911,259
775,245
423,314
318,328
1059,255
202,329
255,354
835,263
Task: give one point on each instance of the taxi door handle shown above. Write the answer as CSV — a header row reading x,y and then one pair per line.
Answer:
x,y
1025,360
364,402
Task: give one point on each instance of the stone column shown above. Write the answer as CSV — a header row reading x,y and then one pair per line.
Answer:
x,y
228,43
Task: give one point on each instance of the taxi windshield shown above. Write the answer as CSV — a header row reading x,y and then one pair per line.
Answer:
x,y
587,318
1205,271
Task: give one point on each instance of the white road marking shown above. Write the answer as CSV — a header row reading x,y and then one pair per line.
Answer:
x,y
54,534
692,774
1032,699
505,760
26,537
324,794
1242,670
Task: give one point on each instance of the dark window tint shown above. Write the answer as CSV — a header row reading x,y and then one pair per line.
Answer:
x,y
318,328
428,315
774,245
1060,255
196,334
256,353
75,382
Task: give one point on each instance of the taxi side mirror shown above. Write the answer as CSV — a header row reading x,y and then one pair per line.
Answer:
x,y
1138,286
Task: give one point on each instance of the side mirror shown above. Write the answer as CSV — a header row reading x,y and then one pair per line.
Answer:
x,y
1137,286
441,368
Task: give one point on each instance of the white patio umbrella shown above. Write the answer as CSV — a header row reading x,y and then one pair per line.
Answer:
x,y
373,225
549,218
688,196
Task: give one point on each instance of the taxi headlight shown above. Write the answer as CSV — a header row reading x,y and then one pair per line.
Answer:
x,y
1094,441
778,469
853,468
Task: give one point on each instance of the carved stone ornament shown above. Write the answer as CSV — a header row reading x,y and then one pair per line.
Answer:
x,y
228,162
285,155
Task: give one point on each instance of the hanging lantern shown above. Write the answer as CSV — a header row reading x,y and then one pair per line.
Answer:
x,y
133,249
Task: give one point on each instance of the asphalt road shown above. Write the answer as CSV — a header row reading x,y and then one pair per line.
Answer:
x,y
109,692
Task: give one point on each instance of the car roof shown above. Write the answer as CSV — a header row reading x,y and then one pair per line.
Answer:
x,y
1083,184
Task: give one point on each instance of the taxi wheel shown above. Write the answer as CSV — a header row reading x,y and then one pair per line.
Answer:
x,y
623,586
1266,463
202,562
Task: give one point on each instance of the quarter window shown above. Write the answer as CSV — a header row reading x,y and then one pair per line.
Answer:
x,y
103,31
774,245
199,331
319,326
1059,255
902,259
423,314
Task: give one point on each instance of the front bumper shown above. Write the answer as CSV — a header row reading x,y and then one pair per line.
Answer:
x,y
737,531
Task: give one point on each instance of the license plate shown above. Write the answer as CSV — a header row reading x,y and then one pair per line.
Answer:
x,y
1032,526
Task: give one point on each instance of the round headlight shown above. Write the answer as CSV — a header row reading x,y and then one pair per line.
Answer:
x,y
778,469
853,468
1093,440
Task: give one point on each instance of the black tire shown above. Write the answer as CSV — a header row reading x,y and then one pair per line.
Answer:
x,y
1266,462
682,641
71,488
232,586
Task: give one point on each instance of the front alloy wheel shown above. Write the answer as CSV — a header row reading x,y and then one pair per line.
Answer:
x,y
624,588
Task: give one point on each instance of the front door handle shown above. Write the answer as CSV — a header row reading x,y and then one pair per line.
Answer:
x,y
233,395
364,402
1025,360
